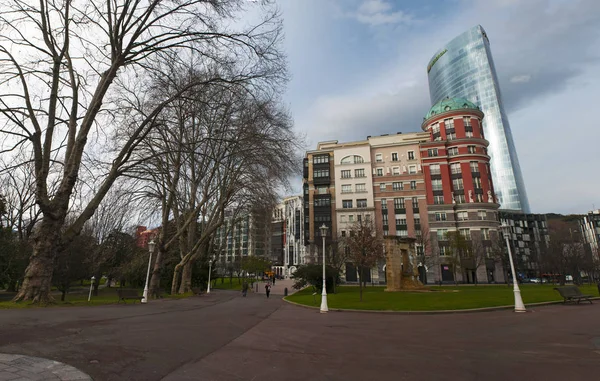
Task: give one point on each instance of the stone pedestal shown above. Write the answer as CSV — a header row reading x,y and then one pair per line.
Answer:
x,y
401,271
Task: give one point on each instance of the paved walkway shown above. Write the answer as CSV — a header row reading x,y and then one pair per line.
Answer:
x,y
27,368
278,288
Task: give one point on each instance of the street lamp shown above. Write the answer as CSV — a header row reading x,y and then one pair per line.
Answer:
x,y
91,287
519,306
209,272
151,245
324,308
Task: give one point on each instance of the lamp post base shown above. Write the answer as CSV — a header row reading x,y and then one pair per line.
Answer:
x,y
519,305
324,309
145,296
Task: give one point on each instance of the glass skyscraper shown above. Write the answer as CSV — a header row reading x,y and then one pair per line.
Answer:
x,y
464,68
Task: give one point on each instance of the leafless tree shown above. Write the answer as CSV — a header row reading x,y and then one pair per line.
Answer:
x,y
65,67
365,247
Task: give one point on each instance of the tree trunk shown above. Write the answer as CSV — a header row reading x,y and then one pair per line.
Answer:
x,y
155,279
38,275
62,295
186,278
175,283
360,281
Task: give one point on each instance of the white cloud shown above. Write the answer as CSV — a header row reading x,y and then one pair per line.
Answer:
x,y
380,12
520,78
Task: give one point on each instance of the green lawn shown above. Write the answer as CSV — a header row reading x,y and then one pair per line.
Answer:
x,y
105,296
440,298
236,284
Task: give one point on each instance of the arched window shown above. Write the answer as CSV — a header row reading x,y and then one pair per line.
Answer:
x,y
352,159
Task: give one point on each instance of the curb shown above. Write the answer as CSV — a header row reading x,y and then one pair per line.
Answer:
x,y
434,312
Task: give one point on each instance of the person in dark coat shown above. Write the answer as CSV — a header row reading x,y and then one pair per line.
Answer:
x,y
268,289
244,289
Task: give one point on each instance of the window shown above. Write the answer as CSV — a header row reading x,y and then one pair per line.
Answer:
x,y
346,174
462,216
379,171
457,184
322,202
435,128
451,136
417,220
347,204
469,134
466,233
467,121
449,123
434,169
411,155
347,188
361,187
385,219
471,149
436,184
412,169
321,189
481,215
415,203
321,173
455,168
413,185
353,159
432,152
359,217
474,166
452,151
401,220
399,203
379,158
397,186
442,234
359,172
361,203
321,159
343,218
343,233
485,234
476,182
438,200
478,197
351,219
396,170
382,187
394,156
440,216
460,199
368,217
402,233
383,203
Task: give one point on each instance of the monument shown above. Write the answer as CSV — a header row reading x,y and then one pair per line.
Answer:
x,y
400,264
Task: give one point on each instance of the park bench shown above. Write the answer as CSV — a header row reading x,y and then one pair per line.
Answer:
x,y
125,294
572,294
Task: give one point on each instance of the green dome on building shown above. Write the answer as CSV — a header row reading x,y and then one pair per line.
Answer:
x,y
450,104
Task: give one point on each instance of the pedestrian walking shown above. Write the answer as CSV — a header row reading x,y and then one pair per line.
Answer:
x,y
244,289
268,289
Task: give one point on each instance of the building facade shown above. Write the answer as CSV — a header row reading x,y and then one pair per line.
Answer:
x,y
287,243
590,230
528,238
464,68
243,235
460,195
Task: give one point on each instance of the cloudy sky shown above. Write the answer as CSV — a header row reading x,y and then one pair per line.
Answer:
x,y
359,68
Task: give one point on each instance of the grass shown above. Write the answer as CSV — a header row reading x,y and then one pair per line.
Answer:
x,y
105,296
440,298
236,284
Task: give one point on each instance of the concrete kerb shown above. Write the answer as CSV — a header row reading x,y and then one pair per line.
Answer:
x,y
21,367
434,312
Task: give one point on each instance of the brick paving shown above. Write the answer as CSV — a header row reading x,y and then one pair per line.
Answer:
x,y
26,368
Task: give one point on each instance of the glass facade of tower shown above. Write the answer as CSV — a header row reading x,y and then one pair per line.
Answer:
x,y
464,68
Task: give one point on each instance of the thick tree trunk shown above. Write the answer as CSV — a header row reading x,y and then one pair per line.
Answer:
x,y
38,275
360,280
175,283
186,278
155,279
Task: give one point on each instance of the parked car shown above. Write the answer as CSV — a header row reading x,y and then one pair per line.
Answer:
x,y
535,280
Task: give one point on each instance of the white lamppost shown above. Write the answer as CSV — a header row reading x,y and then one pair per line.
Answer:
x,y
519,306
91,287
151,245
209,272
324,307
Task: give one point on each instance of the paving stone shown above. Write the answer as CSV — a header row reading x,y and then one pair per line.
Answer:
x,y
26,368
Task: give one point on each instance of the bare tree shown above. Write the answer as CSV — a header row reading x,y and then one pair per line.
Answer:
x,y
62,79
365,247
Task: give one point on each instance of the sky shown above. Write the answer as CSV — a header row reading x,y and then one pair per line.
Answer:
x,y
358,68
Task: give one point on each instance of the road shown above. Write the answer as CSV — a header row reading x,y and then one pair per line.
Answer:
x,y
223,336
